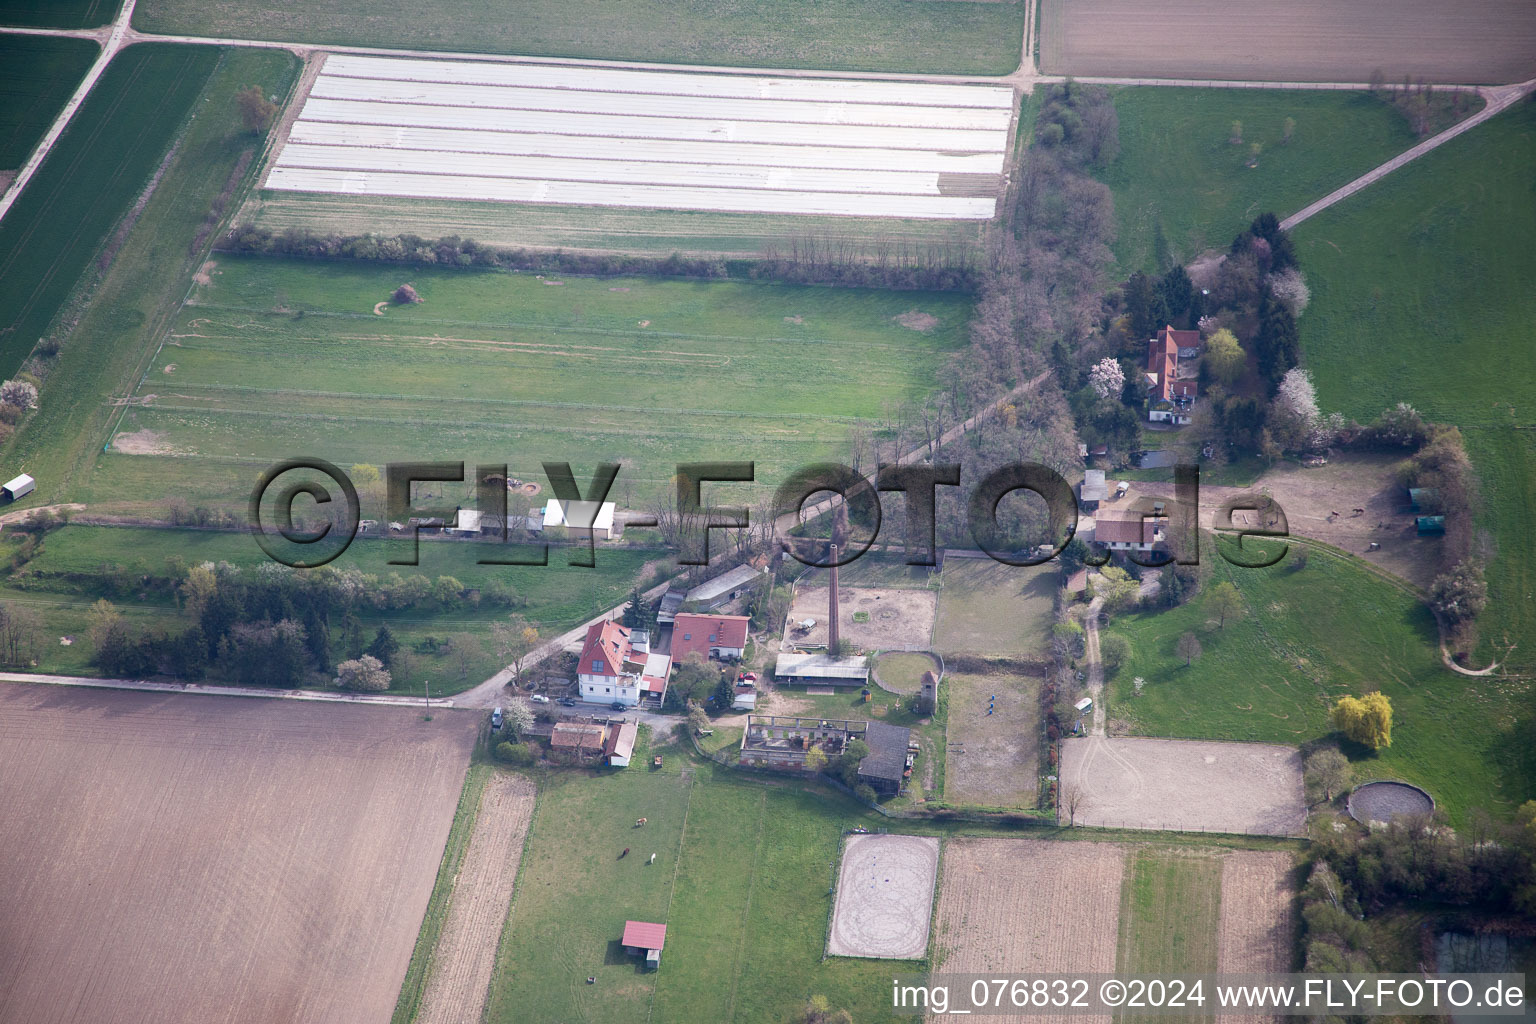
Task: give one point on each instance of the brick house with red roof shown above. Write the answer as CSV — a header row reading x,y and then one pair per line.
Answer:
x,y
1170,395
618,668
713,636
1129,533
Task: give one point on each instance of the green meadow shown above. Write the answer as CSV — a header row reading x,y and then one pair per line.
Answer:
x,y
1422,293
1309,637
275,358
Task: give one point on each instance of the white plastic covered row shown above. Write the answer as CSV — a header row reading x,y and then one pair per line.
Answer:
x,y
455,140
651,105
631,172
545,76
441,186
627,126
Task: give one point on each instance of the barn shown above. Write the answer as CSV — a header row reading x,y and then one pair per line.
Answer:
x,y
822,669
643,937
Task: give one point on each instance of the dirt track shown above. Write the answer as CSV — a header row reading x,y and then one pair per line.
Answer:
x,y
1478,41
466,949
181,858
1029,906
1184,785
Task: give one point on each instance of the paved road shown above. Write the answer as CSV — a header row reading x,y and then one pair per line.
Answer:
x,y
224,691
1496,99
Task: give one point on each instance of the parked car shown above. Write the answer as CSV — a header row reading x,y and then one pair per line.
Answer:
x,y
568,702
539,698
618,705
748,677
496,719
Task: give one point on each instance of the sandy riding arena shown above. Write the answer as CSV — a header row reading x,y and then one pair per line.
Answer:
x,y
874,618
466,948
1184,785
1476,41
884,897
173,857
1029,906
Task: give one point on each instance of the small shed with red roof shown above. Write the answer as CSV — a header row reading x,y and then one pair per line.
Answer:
x,y
647,938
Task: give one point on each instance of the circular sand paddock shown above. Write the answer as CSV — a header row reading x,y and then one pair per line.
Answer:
x,y
1380,802
884,897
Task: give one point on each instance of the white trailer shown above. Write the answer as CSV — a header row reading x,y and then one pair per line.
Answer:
x,y
17,488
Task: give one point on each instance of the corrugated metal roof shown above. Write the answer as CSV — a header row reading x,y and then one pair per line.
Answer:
x,y
821,666
645,935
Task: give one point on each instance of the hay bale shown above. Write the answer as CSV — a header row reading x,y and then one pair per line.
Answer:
x,y
404,294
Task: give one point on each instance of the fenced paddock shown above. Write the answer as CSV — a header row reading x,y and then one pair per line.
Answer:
x,y
506,132
884,897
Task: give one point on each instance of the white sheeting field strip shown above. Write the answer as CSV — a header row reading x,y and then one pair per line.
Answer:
x,y
544,76
629,172
571,101
453,140
413,115
521,190
504,132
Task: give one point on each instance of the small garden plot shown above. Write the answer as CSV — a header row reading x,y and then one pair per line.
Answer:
x,y
884,897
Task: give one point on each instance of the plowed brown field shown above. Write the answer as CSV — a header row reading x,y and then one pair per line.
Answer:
x,y
172,857
1255,930
1029,906
466,949
1475,41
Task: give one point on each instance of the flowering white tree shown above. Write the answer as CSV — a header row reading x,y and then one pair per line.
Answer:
x,y
519,716
1290,288
365,673
19,393
1106,378
1298,396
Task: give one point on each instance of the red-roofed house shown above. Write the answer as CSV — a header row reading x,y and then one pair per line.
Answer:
x,y
1170,397
1132,533
616,669
644,937
714,636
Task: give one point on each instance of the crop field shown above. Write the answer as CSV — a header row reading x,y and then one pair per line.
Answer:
x,y
528,133
1255,933
741,880
37,75
1169,911
1431,260
482,894
993,760
612,229
276,357
90,179
1029,906
109,337
57,13
1311,636
957,36
1315,41
1181,186
295,900
990,609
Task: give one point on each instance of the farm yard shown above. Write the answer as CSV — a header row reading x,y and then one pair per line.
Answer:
x,y
873,618
57,225
1312,635
992,760
377,126
277,888
1181,186
273,357
955,36
1182,785
993,610
1477,42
